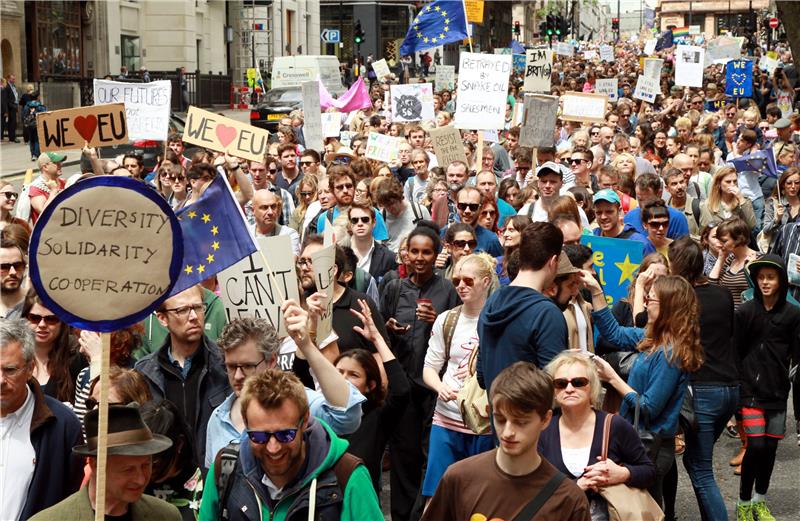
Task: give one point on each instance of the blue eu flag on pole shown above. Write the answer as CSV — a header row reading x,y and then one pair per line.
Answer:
x,y
761,162
215,235
436,24
665,41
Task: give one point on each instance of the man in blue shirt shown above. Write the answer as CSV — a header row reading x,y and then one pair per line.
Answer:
x,y
649,188
468,204
606,210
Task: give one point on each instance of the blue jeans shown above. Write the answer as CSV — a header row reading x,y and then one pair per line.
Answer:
x,y
713,406
758,210
448,447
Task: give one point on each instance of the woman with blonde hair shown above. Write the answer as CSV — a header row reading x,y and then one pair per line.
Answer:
x,y
625,165
573,442
306,193
725,200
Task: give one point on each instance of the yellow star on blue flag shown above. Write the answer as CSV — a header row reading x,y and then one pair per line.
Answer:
x,y
760,162
436,24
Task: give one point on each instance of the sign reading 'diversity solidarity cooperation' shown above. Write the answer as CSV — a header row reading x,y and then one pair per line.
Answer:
x,y
482,90
105,253
100,125
147,105
616,262
209,130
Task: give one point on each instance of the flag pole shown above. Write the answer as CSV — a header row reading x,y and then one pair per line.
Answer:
x,y
466,24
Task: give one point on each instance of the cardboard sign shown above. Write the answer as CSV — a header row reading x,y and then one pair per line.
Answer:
x,y
577,106
689,64
331,124
652,68
540,121
381,68
445,77
564,49
382,147
209,130
447,145
100,125
324,272
616,262
647,89
739,78
105,253
650,46
482,90
607,86
474,10
247,290
147,105
538,70
312,115
412,102
607,53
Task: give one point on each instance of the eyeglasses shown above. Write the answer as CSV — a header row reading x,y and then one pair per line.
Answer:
x,y
50,320
468,281
11,371
522,168
792,183
20,266
576,160
364,219
306,163
273,170
472,243
595,133
183,311
306,194
562,383
346,186
282,436
304,261
488,213
176,178
93,403
11,195
473,207
658,225
247,369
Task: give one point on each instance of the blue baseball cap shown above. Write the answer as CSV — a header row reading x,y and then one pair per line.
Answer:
x,y
608,195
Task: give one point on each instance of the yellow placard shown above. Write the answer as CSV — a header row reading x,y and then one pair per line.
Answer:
x,y
474,10
222,134
100,125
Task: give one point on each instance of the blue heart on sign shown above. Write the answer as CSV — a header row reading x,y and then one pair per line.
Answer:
x,y
739,78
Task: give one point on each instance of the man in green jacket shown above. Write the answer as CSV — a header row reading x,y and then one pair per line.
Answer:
x,y
128,470
286,455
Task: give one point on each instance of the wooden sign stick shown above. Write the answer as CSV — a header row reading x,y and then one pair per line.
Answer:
x,y
271,274
102,429
479,152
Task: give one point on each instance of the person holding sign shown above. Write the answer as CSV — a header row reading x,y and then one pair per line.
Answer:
x,y
48,184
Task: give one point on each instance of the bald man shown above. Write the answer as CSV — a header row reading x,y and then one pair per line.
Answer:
x,y
267,207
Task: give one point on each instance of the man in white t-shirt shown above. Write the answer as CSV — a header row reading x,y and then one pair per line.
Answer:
x,y
400,215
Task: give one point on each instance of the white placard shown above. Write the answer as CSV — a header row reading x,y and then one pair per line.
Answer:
x,y
490,136
723,49
564,49
331,124
607,53
538,70
482,90
647,89
768,64
445,77
312,115
381,68
694,29
652,68
590,54
412,102
689,64
382,147
578,106
608,86
147,105
650,46
324,261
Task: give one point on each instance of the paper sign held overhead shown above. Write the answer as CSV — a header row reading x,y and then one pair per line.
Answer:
x,y
647,89
447,145
412,102
100,125
312,115
607,53
650,46
474,9
324,261
689,64
577,106
381,68
652,68
564,49
607,86
538,70
540,121
209,130
590,54
382,147
331,124
739,78
482,90
147,105
445,77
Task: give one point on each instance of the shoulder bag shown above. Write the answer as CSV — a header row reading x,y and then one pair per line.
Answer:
x,y
473,401
626,503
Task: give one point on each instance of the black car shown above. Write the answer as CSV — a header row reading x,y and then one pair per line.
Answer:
x,y
274,106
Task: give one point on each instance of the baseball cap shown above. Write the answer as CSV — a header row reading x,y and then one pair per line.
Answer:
x,y
607,194
551,167
565,267
50,157
782,123
676,89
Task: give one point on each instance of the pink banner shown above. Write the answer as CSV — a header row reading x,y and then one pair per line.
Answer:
x,y
356,97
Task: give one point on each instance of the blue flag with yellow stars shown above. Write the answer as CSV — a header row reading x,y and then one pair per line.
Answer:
x,y
436,24
215,235
761,162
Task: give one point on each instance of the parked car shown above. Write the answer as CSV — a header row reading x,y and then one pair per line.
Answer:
x,y
274,106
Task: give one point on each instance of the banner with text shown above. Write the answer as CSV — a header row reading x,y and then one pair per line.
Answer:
x,y
100,125
447,145
147,105
540,121
577,106
210,130
538,70
482,90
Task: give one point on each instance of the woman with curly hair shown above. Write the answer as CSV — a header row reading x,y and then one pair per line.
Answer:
x,y
669,349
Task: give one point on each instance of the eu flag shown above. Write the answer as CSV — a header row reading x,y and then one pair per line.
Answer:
x,y
215,235
435,24
665,41
761,162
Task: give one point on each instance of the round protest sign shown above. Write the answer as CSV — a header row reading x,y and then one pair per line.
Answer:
x,y
105,253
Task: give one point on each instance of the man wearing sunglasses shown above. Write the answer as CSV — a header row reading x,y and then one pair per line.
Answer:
x,y
468,204
343,182
309,162
12,272
373,257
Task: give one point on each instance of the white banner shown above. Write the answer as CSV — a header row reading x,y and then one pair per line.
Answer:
x,y
412,102
689,64
482,90
147,105
647,89
652,68
609,86
538,70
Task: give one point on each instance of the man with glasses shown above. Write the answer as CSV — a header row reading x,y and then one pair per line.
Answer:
x,y
373,257
37,467
267,211
649,188
343,182
187,369
468,205
250,347
580,162
309,162
48,184
262,176
286,456
12,273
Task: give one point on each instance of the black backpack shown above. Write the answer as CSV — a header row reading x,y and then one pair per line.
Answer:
x,y
29,118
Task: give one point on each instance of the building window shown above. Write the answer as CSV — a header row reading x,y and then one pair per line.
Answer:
x,y
58,38
130,52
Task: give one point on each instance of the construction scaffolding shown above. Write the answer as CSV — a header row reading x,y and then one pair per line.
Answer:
x,y
252,22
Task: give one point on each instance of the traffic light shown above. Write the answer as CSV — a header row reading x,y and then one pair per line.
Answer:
x,y
558,25
542,28
358,34
517,29
615,24
551,24
565,26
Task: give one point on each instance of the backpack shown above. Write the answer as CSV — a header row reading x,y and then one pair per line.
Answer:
x,y
449,329
414,208
225,464
29,117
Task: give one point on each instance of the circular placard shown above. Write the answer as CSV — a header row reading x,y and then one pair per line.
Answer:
x,y
105,253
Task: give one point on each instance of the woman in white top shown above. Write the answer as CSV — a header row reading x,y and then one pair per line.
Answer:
x,y
451,440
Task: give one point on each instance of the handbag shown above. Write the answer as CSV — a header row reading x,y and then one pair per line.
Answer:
x,y
473,401
687,418
650,440
626,503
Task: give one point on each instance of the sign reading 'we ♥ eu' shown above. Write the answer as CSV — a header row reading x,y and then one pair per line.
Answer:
x,y
739,78
209,130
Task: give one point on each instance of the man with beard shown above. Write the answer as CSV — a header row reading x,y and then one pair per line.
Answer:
x,y
187,369
468,205
342,182
401,216
12,273
679,199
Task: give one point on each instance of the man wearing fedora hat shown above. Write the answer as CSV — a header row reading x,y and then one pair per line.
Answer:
x,y
131,447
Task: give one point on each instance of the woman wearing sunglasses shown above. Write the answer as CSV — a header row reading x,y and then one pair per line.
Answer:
x,y
459,240
447,366
8,198
573,440
58,361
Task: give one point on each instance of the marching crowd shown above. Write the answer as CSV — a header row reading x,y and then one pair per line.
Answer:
x,y
475,364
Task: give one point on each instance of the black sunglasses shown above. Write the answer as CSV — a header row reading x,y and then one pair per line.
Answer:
x,y
472,206
18,266
364,219
282,436
472,243
11,195
273,170
562,383
50,320
306,194
576,161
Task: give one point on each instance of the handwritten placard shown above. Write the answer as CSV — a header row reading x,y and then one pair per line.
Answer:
x,y
607,53
324,273
247,290
312,115
607,86
474,10
538,70
100,125
650,46
381,68
445,77
482,90
412,102
577,106
590,54
105,253
447,145
331,124
210,130
540,121
647,89
147,105
382,147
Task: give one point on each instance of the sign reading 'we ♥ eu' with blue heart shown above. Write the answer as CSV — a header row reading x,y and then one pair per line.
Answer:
x,y
739,78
